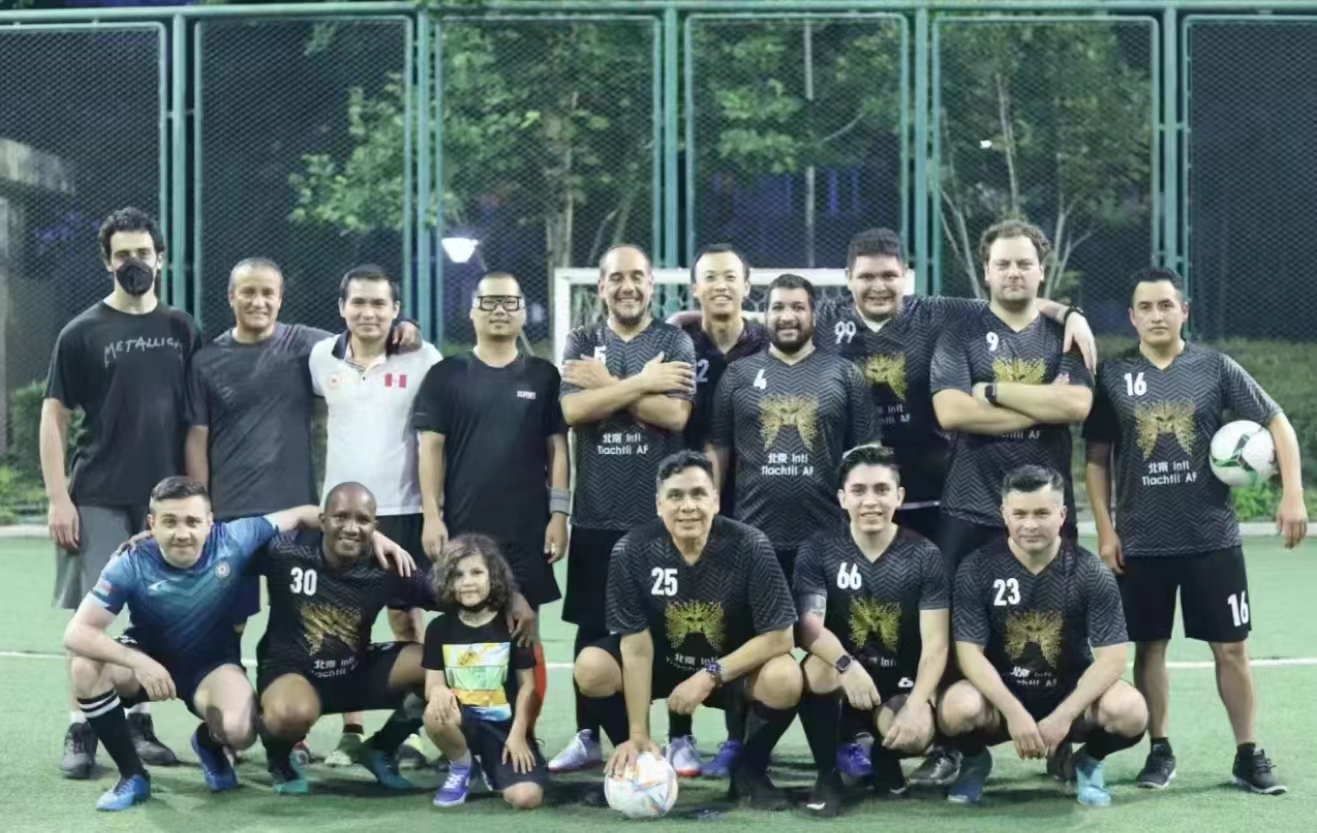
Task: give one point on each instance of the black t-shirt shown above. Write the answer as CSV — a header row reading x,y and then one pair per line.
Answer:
x,y
785,428
496,422
480,664
1161,423
257,402
984,349
1037,630
735,592
320,619
873,606
617,457
128,374
710,364
895,360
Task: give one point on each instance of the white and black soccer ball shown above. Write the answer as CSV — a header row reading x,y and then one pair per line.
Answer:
x,y
647,790
1243,454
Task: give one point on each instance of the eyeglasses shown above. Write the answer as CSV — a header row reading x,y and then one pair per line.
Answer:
x,y
489,303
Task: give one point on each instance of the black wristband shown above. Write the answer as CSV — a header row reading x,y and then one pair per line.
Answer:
x,y
1069,311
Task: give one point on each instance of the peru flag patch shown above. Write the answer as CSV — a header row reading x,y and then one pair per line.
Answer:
x,y
389,379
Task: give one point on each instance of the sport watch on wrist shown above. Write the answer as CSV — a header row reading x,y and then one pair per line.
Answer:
x,y
843,662
1071,310
714,669
990,393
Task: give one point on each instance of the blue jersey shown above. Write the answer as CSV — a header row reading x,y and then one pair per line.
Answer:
x,y
184,616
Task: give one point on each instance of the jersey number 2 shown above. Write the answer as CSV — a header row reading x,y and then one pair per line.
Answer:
x,y
665,581
304,581
1008,592
702,372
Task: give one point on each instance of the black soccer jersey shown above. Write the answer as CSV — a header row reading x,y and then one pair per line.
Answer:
x,y
985,349
735,592
1037,629
710,363
617,457
785,428
1161,423
873,606
895,360
320,619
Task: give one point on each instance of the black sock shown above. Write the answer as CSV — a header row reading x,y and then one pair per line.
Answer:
x,y
854,723
734,717
206,739
586,713
278,750
820,715
970,743
353,729
1162,746
679,725
764,727
106,717
1245,750
396,729
1101,743
610,714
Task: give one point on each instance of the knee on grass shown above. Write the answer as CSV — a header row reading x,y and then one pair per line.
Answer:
x,y
524,796
597,673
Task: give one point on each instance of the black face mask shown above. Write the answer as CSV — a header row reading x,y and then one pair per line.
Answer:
x,y
135,277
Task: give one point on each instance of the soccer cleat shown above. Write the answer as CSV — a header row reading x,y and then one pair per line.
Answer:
x,y
888,777
1253,773
1158,770
1061,766
384,767
302,754
684,757
455,787
722,763
288,779
215,766
1092,786
753,788
581,752
79,751
825,799
129,791
411,754
939,769
974,772
149,748
345,754
853,762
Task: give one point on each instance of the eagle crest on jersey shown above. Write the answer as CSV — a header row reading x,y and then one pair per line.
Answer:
x,y
1038,627
1152,419
778,412
870,618
1024,371
887,370
686,618
323,623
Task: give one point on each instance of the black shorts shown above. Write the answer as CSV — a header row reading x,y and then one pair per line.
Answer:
x,y
958,538
486,738
786,557
405,531
186,676
890,681
365,688
1040,706
664,678
532,570
588,556
1213,589
925,520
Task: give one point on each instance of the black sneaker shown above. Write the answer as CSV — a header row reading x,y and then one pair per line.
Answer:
x,y
79,752
753,788
888,777
826,797
1061,766
1158,770
939,769
1254,773
149,748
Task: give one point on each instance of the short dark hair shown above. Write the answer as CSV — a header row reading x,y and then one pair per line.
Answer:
x,y
649,262
1028,479
1156,274
502,583
875,242
262,263
1014,228
789,281
369,272
347,486
178,487
500,276
720,249
129,219
680,461
870,454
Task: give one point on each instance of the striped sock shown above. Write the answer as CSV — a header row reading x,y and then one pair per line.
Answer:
x,y
106,717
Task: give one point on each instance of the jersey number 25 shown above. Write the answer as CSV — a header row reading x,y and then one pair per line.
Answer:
x,y
665,581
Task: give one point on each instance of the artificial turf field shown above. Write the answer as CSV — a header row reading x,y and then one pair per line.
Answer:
x,y
33,713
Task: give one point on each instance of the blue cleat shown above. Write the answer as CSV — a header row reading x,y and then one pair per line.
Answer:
x,y
1091,786
215,766
853,762
455,788
722,763
974,773
129,791
384,767
289,779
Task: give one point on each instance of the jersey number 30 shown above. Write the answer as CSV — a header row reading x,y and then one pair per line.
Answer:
x,y
665,581
304,581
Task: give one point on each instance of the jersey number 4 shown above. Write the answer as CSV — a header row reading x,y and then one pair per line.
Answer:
x,y
1008,592
304,581
849,580
665,581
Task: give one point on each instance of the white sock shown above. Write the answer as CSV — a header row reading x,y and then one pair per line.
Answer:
x,y
140,708
465,760
77,716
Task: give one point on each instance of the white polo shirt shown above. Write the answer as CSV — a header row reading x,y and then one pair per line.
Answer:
x,y
371,439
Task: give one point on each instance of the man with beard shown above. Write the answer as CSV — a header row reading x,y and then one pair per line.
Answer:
x,y
782,419
627,385
700,614
124,363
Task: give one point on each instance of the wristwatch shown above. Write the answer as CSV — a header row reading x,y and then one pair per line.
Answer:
x,y
843,662
990,393
714,669
1069,311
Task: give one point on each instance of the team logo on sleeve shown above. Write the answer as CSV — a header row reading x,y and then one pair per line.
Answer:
x,y
1034,627
687,618
1024,371
871,619
222,570
887,370
778,412
1152,419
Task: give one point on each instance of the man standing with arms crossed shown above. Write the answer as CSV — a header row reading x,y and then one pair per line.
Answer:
x,y
122,353
627,389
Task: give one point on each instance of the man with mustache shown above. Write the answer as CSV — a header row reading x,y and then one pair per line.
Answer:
x,y
124,363
627,385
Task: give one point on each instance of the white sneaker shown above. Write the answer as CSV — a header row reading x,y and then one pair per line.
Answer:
x,y
582,752
684,756
412,754
343,754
